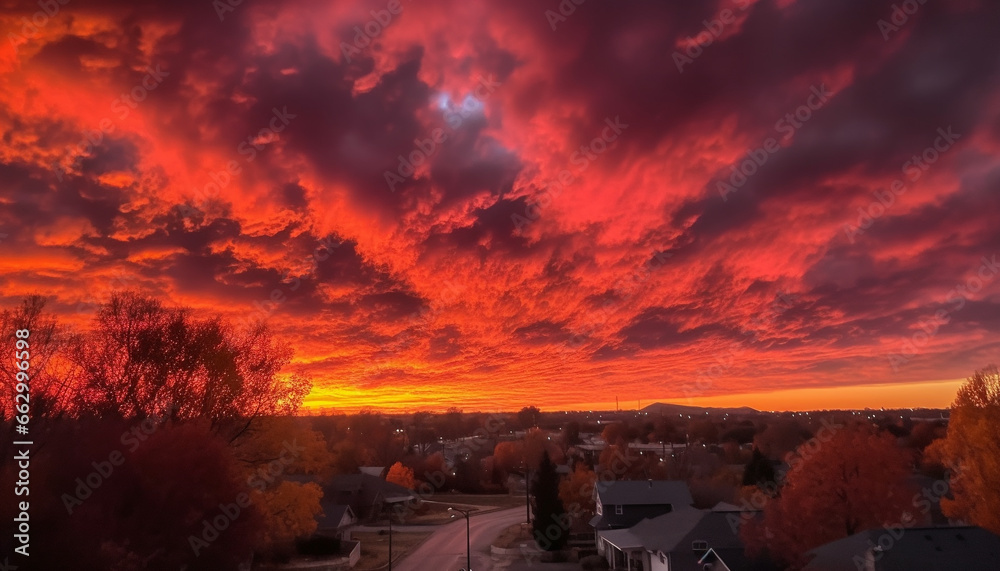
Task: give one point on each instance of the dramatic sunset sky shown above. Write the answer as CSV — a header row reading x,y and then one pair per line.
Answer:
x,y
575,228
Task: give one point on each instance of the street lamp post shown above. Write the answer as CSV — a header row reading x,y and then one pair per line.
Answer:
x,y
468,541
390,542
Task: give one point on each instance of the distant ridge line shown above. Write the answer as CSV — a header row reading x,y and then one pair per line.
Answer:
x,y
668,408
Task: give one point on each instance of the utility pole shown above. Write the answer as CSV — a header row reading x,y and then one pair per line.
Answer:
x,y
527,493
468,540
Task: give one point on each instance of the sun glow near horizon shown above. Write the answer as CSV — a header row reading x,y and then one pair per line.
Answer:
x,y
930,395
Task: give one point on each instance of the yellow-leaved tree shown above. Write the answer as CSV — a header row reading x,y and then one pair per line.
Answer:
x,y
971,451
577,491
289,511
272,450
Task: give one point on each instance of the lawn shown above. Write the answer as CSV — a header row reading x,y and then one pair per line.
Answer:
x,y
491,500
514,536
432,513
434,510
375,547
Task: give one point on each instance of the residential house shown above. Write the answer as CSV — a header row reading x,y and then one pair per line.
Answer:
x,y
623,504
965,548
686,539
336,520
369,497
377,471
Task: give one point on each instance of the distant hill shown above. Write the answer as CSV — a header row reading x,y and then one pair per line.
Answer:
x,y
660,408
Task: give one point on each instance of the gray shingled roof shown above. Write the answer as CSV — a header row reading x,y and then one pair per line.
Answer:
x,y
665,532
332,515
361,490
676,532
622,538
645,492
964,548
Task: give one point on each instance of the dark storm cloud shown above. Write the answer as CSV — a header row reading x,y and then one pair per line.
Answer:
x,y
658,327
931,79
582,283
391,305
492,225
470,163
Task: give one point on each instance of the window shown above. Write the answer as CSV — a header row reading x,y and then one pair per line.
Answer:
x,y
699,545
618,509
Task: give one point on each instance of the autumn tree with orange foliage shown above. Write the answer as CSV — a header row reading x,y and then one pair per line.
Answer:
x,y
509,456
401,476
271,438
854,480
780,437
536,444
513,456
615,432
971,451
577,491
627,464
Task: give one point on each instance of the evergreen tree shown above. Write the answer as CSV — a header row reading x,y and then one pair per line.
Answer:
x,y
551,524
759,470
468,477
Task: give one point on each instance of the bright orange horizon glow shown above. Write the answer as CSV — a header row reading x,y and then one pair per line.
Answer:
x,y
931,395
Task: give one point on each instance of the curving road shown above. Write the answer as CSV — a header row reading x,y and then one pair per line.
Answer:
x,y
445,550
